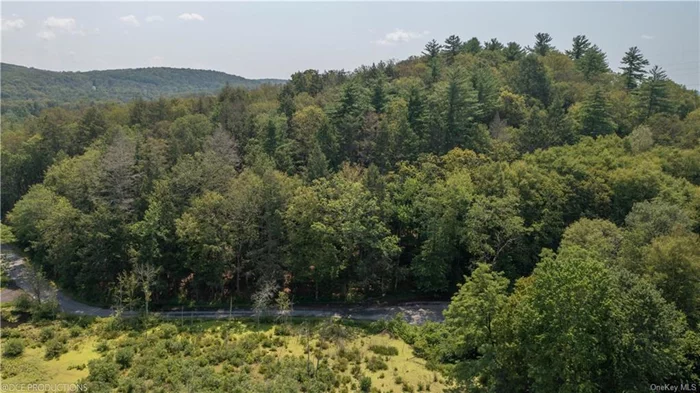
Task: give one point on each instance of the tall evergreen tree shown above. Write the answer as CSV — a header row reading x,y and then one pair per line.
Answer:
x,y
542,46
432,50
532,79
472,46
596,118
513,51
652,96
593,63
379,97
453,45
493,45
579,47
633,69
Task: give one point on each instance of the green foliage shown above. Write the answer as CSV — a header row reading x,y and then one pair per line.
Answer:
x,y
31,88
365,384
399,176
12,348
54,348
384,350
541,337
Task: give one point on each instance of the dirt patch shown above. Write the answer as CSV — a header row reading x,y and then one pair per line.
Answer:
x,y
7,295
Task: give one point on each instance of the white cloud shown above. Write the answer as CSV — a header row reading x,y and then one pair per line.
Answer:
x,y
154,18
647,37
46,35
67,24
399,36
130,20
12,24
188,16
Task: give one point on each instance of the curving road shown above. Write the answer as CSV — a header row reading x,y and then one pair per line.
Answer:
x,y
414,312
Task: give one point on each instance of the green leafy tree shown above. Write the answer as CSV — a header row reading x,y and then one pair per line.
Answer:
x,y
472,320
672,263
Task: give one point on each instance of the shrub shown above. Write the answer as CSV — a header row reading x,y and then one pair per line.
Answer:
x,y
54,349
123,357
102,346
283,330
23,302
167,330
47,310
46,334
12,348
376,364
75,331
341,365
384,350
365,384
407,387
103,370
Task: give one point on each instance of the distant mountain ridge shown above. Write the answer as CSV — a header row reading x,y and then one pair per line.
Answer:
x,y
25,87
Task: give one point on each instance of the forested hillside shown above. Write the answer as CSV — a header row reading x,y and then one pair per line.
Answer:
x,y
28,90
566,191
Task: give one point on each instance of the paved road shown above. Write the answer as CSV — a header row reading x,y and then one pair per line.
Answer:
x,y
415,312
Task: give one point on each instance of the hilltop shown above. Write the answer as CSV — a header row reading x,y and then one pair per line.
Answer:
x,y
27,90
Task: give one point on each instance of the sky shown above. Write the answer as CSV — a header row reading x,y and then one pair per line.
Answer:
x,y
275,39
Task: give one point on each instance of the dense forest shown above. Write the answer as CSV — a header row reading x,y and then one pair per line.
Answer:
x,y
27,91
566,192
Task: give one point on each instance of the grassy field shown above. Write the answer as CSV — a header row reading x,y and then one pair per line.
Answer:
x,y
310,355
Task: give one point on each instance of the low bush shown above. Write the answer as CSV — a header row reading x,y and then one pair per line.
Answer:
x,y
46,334
365,384
123,357
12,348
24,302
375,363
384,350
54,349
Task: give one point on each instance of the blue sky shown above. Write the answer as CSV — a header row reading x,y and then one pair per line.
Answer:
x,y
266,39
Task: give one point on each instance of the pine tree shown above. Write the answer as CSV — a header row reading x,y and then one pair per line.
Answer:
x,y
317,165
453,45
513,51
596,118
542,46
286,100
593,63
633,69
472,46
493,45
379,97
270,137
579,47
652,95
432,50
532,79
